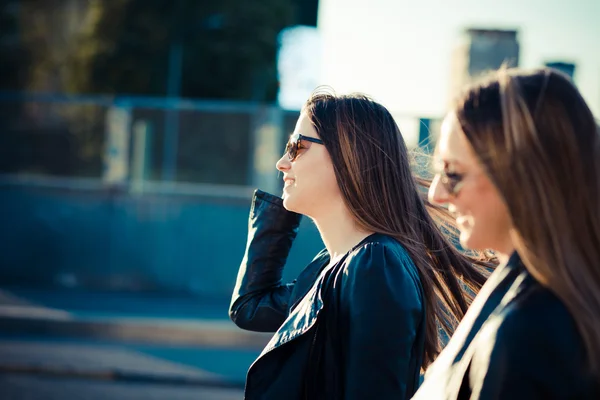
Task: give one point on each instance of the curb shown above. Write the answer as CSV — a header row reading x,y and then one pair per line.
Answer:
x,y
207,333
122,376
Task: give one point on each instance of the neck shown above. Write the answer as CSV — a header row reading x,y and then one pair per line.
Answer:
x,y
502,257
339,231
504,251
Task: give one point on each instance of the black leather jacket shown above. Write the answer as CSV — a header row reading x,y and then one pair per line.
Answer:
x,y
517,341
352,330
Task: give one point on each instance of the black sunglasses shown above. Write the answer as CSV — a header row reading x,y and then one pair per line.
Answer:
x,y
295,143
451,181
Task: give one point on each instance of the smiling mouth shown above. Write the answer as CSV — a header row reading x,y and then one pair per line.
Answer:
x,y
464,221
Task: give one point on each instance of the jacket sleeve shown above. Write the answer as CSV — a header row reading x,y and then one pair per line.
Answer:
x,y
260,299
531,354
382,308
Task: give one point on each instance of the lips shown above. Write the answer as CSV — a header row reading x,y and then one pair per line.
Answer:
x,y
288,181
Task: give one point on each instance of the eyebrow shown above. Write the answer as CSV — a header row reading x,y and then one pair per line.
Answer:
x,y
437,158
440,163
452,161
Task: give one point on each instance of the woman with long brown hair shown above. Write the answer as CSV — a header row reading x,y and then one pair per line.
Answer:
x,y
363,318
519,166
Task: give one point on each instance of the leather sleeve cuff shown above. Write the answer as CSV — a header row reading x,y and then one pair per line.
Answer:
x,y
268,206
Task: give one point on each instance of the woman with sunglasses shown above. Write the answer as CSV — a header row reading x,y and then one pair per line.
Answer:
x,y
520,168
363,317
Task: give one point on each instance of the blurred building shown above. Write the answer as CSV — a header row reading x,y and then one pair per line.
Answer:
x,y
564,67
298,65
299,57
306,12
480,51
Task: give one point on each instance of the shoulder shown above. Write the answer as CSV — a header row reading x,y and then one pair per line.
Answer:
x,y
383,261
536,316
379,242
377,280
532,335
380,251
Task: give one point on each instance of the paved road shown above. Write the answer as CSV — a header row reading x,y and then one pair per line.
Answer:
x,y
77,345
28,387
95,357
38,368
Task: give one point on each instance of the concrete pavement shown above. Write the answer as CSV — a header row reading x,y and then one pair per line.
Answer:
x,y
122,340
143,318
33,387
106,361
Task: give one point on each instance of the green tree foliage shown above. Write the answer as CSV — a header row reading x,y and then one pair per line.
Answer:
x,y
11,53
229,47
124,47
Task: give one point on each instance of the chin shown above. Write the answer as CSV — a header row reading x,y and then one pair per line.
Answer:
x,y
288,203
466,240
471,242
295,204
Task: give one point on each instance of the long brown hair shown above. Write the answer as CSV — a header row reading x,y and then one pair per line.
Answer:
x,y
373,170
540,145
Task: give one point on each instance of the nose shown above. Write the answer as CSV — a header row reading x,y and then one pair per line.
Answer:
x,y
437,193
284,163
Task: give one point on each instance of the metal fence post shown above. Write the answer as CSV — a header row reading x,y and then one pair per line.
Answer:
x,y
142,139
170,145
267,142
116,152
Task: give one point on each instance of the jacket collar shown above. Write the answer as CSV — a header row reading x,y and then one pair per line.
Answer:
x,y
302,318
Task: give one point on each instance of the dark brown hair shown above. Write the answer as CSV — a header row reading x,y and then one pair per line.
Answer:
x,y
373,170
540,145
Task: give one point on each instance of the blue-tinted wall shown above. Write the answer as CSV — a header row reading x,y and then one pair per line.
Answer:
x,y
91,237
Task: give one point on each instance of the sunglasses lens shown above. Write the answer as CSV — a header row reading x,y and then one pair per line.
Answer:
x,y
452,186
292,149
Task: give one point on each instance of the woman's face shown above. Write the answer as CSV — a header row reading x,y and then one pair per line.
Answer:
x,y
310,186
461,183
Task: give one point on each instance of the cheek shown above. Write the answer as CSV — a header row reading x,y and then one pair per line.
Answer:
x,y
491,222
315,188
321,185
489,205
491,214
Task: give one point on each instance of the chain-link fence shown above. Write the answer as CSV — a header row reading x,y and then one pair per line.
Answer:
x,y
138,193
230,143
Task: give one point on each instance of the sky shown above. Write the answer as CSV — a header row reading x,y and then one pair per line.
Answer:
x,y
399,51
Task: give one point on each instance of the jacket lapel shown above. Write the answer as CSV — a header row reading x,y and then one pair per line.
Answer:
x,y
461,371
301,319
483,343
444,377
304,315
